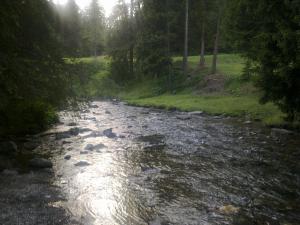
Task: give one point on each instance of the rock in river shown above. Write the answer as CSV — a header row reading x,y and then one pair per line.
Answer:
x,y
108,133
67,157
183,117
92,147
82,163
229,209
196,113
94,106
40,163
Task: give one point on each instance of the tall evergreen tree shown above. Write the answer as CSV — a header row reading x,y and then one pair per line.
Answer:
x,y
151,50
70,28
93,29
268,33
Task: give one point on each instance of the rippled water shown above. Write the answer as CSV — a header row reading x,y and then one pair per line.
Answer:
x,y
161,168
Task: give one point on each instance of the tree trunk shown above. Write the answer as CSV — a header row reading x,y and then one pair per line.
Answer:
x,y
170,71
186,36
216,45
131,54
202,56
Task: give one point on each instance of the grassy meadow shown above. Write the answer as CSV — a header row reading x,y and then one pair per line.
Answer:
x,y
232,95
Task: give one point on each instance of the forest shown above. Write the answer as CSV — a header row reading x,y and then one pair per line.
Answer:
x,y
149,112
170,48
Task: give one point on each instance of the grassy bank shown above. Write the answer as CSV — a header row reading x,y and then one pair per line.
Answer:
x,y
226,93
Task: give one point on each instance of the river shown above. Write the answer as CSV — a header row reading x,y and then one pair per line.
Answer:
x,y
136,166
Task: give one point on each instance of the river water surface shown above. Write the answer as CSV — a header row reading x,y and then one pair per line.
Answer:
x,y
156,168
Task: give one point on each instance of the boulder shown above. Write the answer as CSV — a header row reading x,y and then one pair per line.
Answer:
x,y
40,163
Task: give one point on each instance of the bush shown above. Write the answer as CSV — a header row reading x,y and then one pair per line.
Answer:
x,y
26,117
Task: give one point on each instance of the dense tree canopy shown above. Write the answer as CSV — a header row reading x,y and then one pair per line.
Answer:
x,y
141,37
31,59
268,33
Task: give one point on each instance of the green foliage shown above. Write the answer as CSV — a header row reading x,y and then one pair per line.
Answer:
x,y
92,78
32,72
119,43
152,53
92,30
70,32
268,32
27,117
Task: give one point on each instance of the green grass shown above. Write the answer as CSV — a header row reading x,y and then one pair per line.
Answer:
x,y
246,106
239,98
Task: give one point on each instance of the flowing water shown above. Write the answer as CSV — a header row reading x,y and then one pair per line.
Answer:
x,y
157,168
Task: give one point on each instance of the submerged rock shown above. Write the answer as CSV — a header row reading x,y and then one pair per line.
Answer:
x,y
151,139
229,209
86,111
89,147
184,117
108,133
72,124
154,147
40,163
63,135
84,152
277,131
67,134
67,157
94,106
82,163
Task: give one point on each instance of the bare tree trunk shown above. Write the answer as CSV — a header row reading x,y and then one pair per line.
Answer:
x,y
216,45
202,56
131,54
186,37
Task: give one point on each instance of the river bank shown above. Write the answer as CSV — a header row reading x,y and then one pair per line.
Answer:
x,y
226,93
